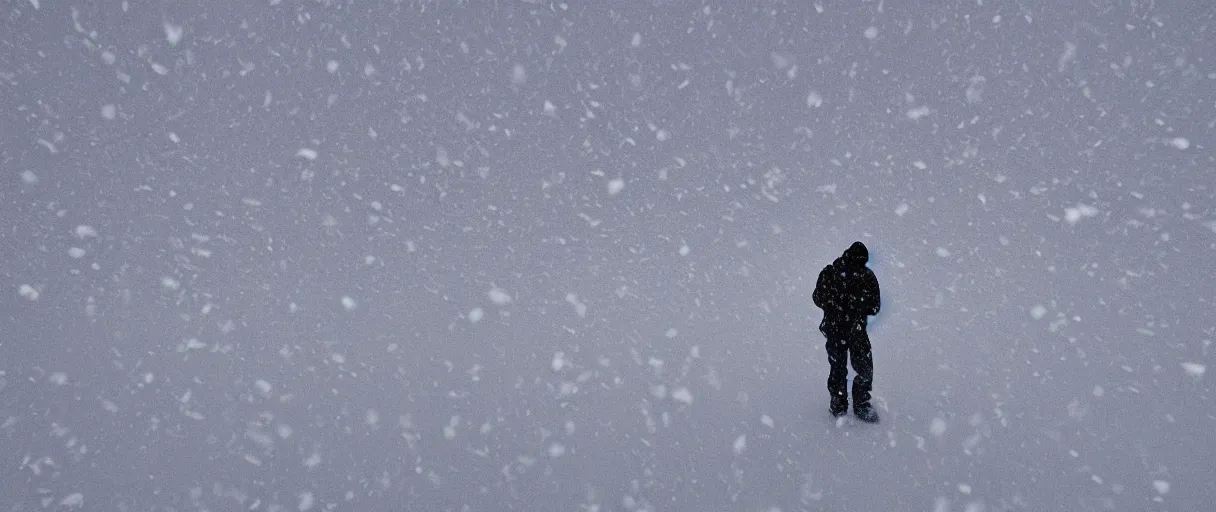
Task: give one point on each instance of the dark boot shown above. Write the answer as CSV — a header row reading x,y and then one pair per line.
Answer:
x,y
839,405
866,413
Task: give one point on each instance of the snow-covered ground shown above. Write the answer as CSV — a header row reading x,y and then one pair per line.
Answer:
x,y
326,255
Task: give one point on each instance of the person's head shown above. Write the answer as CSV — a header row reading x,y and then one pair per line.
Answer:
x,y
856,254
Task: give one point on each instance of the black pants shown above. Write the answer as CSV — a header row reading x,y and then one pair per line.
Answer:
x,y
851,343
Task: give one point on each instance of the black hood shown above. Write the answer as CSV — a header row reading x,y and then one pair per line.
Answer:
x,y
856,254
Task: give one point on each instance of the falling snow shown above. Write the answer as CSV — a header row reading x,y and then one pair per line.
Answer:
x,y
350,257
73,500
28,292
918,112
499,296
173,33
1194,369
1081,211
814,99
682,395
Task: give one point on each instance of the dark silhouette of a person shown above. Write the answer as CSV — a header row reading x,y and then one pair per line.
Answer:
x,y
847,292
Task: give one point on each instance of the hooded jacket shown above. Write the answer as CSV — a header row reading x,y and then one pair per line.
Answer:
x,y
847,291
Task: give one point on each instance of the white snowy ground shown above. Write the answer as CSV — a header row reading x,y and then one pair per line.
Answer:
x,y
320,256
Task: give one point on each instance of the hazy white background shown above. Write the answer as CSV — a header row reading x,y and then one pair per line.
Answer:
x,y
324,255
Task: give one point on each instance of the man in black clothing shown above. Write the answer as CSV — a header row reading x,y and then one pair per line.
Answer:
x,y
847,292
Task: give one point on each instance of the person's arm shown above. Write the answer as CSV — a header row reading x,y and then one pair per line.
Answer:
x,y
875,295
819,297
